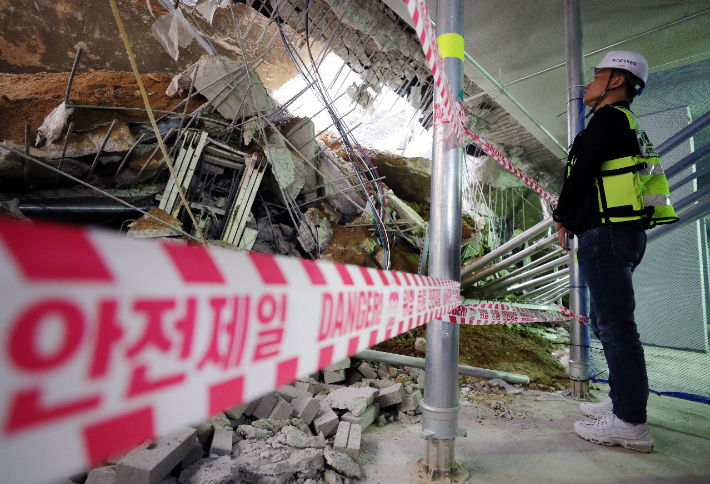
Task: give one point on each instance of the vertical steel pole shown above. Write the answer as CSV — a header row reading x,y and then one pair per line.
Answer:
x,y
578,290
441,392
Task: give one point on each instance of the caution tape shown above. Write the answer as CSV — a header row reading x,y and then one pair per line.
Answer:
x,y
496,313
108,342
448,110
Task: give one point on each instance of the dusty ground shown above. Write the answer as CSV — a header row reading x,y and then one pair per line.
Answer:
x,y
31,97
497,348
534,443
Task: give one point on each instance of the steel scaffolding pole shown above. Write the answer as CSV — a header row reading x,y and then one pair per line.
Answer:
x,y
578,290
440,408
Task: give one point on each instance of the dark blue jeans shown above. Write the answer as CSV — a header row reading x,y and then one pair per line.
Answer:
x,y
607,258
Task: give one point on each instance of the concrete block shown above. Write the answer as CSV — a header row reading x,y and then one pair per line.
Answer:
x,y
288,393
391,395
222,442
366,419
380,383
333,376
301,425
148,464
340,365
353,448
341,437
282,410
305,408
326,421
251,406
193,455
236,412
266,405
311,386
342,463
366,370
352,376
102,475
410,402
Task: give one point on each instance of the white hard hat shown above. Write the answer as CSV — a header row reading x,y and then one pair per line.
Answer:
x,y
626,60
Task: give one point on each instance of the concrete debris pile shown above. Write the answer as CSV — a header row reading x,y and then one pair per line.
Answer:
x,y
308,432
254,176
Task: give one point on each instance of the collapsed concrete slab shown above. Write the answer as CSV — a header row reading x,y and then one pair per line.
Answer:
x,y
315,227
339,183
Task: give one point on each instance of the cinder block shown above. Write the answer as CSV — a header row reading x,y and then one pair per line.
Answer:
x,y
282,410
150,463
353,449
236,412
288,393
420,378
251,406
101,475
311,386
305,408
266,405
222,442
366,419
341,437
333,376
366,370
340,365
391,395
205,431
410,402
326,422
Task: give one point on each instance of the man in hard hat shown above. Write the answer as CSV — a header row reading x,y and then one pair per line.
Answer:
x,y
614,190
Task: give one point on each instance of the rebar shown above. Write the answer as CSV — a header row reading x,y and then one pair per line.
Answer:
x,y
125,159
77,58
64,152
101,148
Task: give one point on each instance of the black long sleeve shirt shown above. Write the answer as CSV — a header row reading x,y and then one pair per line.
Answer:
x,y
608,136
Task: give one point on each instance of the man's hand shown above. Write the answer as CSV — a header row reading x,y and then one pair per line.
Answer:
x,y
561,230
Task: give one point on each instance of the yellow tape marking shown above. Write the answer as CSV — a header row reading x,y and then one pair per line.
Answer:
x,y
451,45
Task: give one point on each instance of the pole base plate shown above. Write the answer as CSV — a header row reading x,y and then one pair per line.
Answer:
x,y
458,474
578,390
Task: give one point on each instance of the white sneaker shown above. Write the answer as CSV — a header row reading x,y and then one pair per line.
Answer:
x,y
596,410
611,430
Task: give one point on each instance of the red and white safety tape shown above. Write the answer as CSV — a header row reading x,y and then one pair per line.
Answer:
x,y
108,342
450,111
496,313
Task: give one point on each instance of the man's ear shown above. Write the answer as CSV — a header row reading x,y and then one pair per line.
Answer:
x,y
617,81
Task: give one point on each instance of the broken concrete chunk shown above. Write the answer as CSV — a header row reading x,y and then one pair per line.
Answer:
x,y
353,448
148,464
273,426
89,142
342,463
284,462
148,227
305,408
420,378
326,421
410,402
282,410
379,384
311,386
295,437
383,371
332,477
354,399
365,420
339,191
340,365
205,431
341,436
391,395
193,455
333,376
209,471
315,227
250,432
222,442
366,370
102,475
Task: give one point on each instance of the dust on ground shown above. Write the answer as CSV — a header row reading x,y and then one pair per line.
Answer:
x,y
31,97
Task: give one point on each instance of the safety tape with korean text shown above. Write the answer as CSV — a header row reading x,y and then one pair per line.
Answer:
x,y
108,342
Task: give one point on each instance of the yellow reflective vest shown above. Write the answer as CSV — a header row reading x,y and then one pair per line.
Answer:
x,y
634,187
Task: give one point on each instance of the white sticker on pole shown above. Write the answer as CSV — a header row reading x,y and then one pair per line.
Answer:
x,y
108,342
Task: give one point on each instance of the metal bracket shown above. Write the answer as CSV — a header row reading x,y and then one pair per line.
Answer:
x,y
425,250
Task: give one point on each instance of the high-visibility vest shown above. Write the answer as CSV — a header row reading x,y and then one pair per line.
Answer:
x,y
634,187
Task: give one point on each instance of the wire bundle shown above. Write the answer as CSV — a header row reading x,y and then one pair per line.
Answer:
x,y
365,171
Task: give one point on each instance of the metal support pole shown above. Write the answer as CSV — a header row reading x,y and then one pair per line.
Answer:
x,y
440,408
578,290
